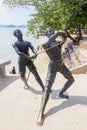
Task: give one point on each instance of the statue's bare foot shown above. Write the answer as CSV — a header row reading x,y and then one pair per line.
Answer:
x,y
26,86
40,121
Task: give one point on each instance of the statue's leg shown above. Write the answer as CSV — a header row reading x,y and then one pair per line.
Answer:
x,y
32,68
67,74
22,71
38,79
49,82
44,101
23,77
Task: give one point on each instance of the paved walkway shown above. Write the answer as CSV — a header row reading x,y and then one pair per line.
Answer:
x,y
19,107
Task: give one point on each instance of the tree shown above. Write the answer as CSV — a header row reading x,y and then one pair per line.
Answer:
x,y
58,14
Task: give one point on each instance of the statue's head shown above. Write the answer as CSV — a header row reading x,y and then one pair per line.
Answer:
x,y
17,33
49,32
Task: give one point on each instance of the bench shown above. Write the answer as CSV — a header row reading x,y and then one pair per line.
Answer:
x,y
3,63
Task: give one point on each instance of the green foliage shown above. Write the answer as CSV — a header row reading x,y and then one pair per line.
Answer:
x,y
58,14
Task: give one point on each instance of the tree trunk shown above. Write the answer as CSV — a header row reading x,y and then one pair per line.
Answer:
x,y
74,41
78,33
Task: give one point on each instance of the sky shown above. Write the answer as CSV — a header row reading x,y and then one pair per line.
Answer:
x,y
16,16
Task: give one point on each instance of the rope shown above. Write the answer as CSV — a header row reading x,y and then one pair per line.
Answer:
x,y
50,48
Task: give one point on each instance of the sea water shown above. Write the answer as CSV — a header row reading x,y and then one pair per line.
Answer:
x,y
7,52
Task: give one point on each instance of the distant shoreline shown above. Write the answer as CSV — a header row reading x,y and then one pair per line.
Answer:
x,y
13,26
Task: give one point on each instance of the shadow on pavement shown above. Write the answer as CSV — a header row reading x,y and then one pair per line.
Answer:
x,y
6,81
73,100
35,91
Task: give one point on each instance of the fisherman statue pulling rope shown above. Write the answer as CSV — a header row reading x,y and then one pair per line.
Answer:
x,y
22,49
53,50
